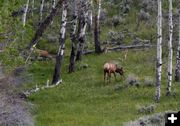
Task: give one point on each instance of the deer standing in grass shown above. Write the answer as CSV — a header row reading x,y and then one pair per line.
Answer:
x,y
112,68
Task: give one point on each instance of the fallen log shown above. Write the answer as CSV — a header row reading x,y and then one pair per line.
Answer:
x,y
119,48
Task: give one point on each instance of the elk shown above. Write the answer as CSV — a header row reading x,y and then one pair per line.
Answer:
x,y
44,54
112,68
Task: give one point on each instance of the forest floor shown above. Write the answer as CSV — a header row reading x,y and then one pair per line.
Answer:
x,y
14,111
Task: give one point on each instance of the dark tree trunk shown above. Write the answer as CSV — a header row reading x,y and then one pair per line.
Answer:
x,y
80,50
177,71
96,35
44,25
57,70
73,39
60,54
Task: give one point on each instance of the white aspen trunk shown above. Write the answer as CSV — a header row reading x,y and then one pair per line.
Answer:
x,y
53,3
177,70
53,6
81,38
25,13
41,10
99,12
32,7
60,54
91,13
159,53
63,30
170,49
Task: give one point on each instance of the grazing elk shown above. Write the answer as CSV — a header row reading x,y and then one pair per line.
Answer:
x,y
112,68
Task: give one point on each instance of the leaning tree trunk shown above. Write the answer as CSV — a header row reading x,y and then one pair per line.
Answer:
x,y
177,70
25,13
81,38
60,54
159,53
44,25
170,50
73,39
97,29
41,11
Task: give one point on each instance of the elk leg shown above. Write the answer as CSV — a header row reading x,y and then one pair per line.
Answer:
x,y
104,77
109,77
114,75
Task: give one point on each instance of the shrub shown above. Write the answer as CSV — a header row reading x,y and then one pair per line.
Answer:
x,y
133,80
146,109
149,82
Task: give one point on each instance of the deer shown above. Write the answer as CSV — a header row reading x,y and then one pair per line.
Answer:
x,y
112,68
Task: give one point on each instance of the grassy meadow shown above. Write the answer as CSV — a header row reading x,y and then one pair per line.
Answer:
x,y
84,100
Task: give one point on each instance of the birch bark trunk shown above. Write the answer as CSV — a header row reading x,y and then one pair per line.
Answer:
x,y
25,13
60,54
53,6
73,39
41,11
170,49
97,28
81,38
32,8
177,70
159,52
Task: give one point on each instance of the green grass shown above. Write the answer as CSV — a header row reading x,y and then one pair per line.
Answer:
x,y
83,99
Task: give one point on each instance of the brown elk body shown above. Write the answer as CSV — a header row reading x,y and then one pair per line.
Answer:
x,y
112,68
44,54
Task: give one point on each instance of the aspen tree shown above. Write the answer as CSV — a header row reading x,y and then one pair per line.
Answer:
x,y
60,54
177,70
159,52
170,58
41,11
25,13
73,38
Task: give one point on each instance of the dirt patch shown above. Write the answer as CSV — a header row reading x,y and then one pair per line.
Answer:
x,y
14,111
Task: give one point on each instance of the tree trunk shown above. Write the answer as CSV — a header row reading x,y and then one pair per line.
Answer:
x,y
170,49
177,71
25,13
81,39
73,39
159,53
41,11
53,6
97,29
44,25
60,54
32,7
